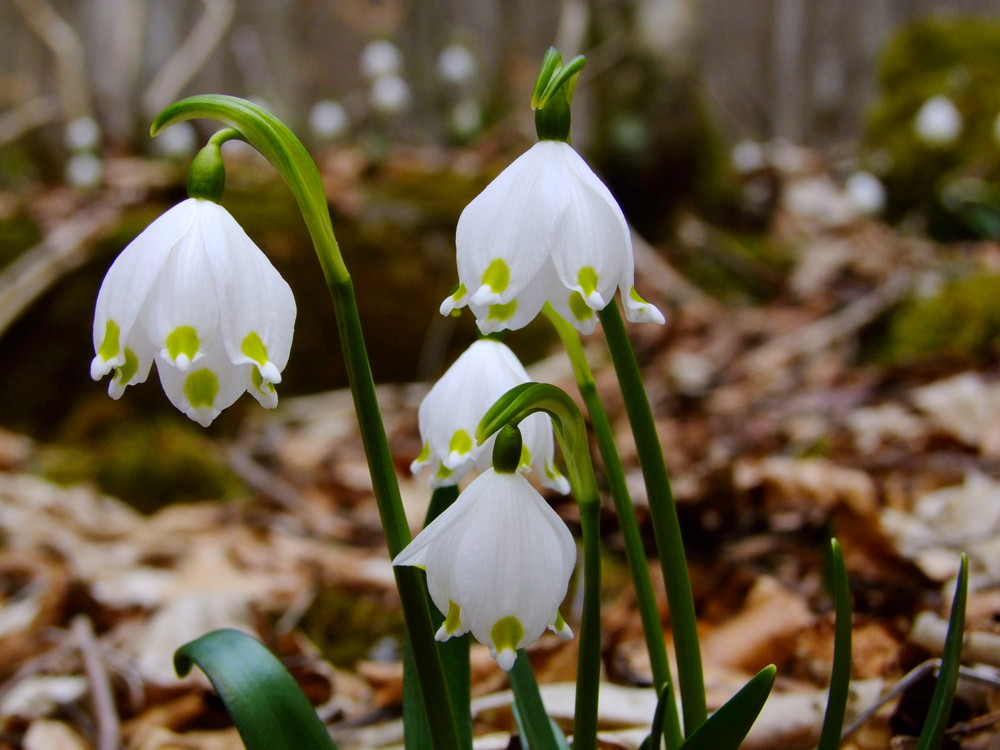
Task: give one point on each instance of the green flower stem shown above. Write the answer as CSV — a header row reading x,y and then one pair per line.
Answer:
x,y
666,525
454,657
635,553
286,153
571,432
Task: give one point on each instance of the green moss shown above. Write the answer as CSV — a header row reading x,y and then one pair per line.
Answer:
x,y
961,321
958,58
737,265
346,625
17,234
148,464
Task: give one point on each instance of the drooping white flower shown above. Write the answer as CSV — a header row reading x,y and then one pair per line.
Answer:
x,y
498,562
938,122
452,409
389,94
545,229
380,57
195,294
866,192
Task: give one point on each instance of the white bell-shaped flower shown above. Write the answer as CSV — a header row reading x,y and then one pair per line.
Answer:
x,y
938,122
453,408
498,563
195,294
546,229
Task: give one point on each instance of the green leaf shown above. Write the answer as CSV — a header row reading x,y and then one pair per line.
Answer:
x,y
944,692
655,738
268,707
537,730
840,677
728,727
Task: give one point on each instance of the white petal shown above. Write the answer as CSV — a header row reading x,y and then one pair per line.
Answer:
x,y
127,284
255,301
526,306
211,384
594,240
186,293
510,221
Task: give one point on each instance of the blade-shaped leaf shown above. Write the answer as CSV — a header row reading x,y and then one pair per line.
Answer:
x,y
951,660
729,726
268,707
840,677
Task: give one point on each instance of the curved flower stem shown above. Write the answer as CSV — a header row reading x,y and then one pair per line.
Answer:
x,y
635,554
286,153
666,525
571,432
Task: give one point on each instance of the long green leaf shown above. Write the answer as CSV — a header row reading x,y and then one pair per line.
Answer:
x,y
654,740
951,660
840,677
537,730
728,727
268,707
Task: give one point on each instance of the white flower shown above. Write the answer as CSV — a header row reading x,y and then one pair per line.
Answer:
x,y
380,57
938,123
197,295
456,65
545,229
389,94
329,119
498,562
866,192
452,409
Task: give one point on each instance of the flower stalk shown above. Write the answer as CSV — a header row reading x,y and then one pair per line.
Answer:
x,y
635,553
517,404
286,153
666,525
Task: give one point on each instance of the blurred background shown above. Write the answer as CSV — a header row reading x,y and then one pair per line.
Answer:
x,y
710,121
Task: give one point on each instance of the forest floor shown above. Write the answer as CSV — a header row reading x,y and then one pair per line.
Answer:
x,y
782,421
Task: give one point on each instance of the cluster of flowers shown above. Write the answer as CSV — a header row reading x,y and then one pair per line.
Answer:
x,y
194,294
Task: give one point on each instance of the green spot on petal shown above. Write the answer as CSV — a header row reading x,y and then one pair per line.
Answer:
x,y
581,311
201,387
258,381
443,472
453,620
496,276
525,459
634,296
560,623
460,443
109,346
254,348
587,279
182,340
503,312
128,370
425,453
459,293
507,633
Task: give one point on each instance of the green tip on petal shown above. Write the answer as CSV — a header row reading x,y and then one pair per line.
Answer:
x,y
579,307
201,387
506,634
525,461
254,348
452,622
502,312
496,276
109,346
182,345
587,279
461,443
128,370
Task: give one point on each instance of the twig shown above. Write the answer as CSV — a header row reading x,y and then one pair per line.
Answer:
x,y
108,725
190,56
66,48
28,116
820,334
62,250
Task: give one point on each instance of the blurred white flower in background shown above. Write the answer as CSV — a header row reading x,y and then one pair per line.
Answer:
x,y
179,141
328,120
83,133
938,122
84,170
456,65
389,94
866,193
380,57
748,156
